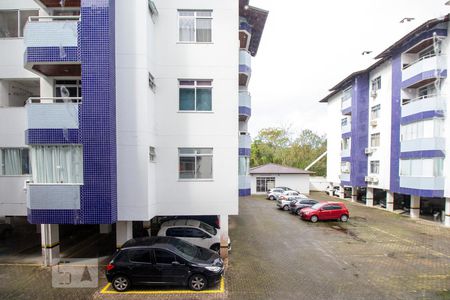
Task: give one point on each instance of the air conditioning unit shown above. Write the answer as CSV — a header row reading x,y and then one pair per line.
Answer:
x,y
373,93
368,179
375,179
368,151
373,123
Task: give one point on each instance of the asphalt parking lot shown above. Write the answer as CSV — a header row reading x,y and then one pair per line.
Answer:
x,y
376,255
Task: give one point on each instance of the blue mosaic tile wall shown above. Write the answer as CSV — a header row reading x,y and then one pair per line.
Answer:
x,y
98,113
52,54
97,119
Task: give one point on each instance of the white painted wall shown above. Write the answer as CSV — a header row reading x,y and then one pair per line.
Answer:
x,y
298,182
334,139
318,183
12,128
445,86
383,152
144,118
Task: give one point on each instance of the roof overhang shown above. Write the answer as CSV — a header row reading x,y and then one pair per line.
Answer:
x,y
256,17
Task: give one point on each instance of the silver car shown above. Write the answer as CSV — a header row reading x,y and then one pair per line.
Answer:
x,y
284,201
274,193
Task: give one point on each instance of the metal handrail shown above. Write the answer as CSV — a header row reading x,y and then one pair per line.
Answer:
x,y
422,58
54,100
421,98
63,18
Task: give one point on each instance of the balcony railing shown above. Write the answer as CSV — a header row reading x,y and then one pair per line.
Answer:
x,y
245,141
51,31
245,99
422,68
245,59
424,103
422,183
423,144
346,103
345,152
244,181
344,177
53,196
53,112
346,127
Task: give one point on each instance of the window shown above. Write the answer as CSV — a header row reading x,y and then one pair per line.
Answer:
x,y
178,232
264,184
375,167
343,122
195,163
151,81
345,167
68,88
140,256
194,233
57,164
14,161
375,112
346,97
12,22
427,91
423,129
376,83
345,143
244,165
195,95
195,26
375,140
428,167
164,257
152,153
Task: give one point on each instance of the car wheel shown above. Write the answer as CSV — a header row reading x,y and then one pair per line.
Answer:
x,y
344,218
314,219
271,198
121,283
197,282
286,207
215,247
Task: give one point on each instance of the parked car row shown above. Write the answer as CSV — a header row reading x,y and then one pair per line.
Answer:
x,y
184,252
312,210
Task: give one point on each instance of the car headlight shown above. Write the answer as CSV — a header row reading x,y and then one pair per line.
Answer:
x,y
214,269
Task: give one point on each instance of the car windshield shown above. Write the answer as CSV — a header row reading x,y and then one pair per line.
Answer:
x,y
187,250
208,228
316,206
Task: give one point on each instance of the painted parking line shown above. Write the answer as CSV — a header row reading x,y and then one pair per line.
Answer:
x,y
221,290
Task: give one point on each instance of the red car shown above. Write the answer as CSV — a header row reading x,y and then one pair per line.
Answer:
x,y
325,211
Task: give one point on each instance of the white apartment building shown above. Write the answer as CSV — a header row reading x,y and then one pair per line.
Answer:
x,y
120,111
390,126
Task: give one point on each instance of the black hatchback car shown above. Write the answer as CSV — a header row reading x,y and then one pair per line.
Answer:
x,y
164,261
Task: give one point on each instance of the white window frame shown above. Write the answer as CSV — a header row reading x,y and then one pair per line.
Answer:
x,y
371,140
195,17
376,83
77,85
2,164
195,87
374,167
195,155
375,109
19,30
265,180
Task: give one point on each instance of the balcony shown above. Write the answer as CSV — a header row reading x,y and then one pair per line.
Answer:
x,y
245,33
424,104
347,127
345,177
346,106
57,3
53,113
51,45
423,144
245,106
53,196
424,70
422,183
245,67
244,182
346,152
245,142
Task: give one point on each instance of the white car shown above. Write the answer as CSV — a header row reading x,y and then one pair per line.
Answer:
x,y
285,199
193,231
274,193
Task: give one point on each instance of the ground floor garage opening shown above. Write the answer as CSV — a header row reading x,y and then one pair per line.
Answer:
x,y
402,202
432,209
379,197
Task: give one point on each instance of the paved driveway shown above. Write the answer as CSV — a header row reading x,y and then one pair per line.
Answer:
x,y
376,255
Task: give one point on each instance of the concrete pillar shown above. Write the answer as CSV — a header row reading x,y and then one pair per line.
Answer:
x,y
124,232
105,228
415,206
389,201
447,212
354,193
50,244
224,236
341,192
369,196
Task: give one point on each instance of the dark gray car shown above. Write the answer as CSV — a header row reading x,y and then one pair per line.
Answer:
x,y
296,205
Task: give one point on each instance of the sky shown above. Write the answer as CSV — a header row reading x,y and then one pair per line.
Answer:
x,y
309,46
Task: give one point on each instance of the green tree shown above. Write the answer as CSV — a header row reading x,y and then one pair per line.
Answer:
x,y
277,145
